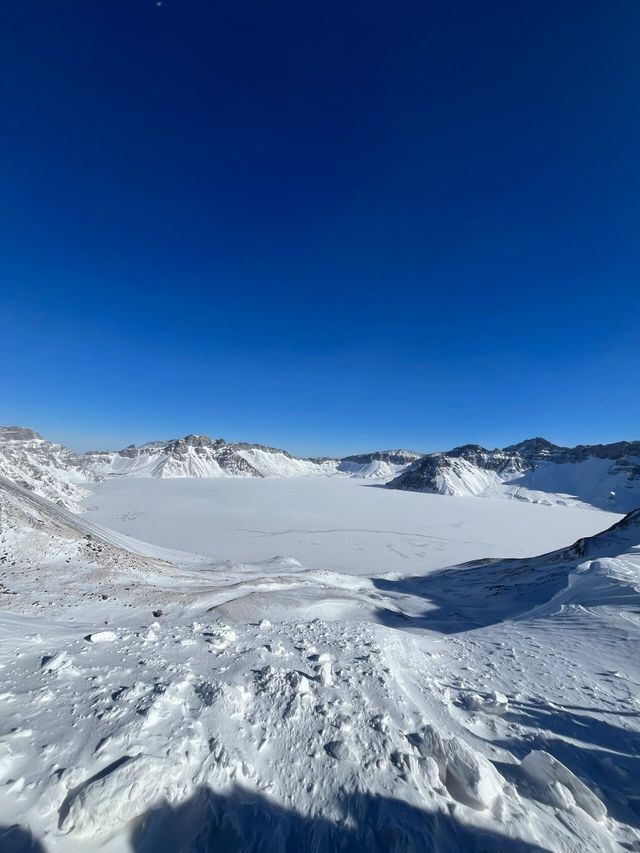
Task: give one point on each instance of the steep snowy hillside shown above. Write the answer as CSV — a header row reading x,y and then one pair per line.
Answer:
x,y
200,456
186,708
191,456
78,555
49,470
273,462
604,475
380,465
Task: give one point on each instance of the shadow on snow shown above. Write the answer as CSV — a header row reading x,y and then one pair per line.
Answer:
x,y
245,822
241,821
485,592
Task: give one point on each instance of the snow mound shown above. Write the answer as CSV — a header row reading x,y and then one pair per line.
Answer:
x,y
560,785
469,777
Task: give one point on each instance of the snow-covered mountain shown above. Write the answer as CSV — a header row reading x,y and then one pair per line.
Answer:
x,y
274,462
191,456
380,465
604,475
54,472
49,470
200,456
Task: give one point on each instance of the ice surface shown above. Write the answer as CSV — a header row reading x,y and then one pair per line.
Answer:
x,y
338,524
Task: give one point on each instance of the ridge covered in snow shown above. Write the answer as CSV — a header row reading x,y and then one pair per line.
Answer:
x,y
53,471
200,456
48,469
603,475
191,456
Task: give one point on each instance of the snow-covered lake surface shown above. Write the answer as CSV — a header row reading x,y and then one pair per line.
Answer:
x,y
338,524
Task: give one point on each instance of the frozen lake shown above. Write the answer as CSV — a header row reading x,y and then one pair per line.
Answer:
x,y
339,524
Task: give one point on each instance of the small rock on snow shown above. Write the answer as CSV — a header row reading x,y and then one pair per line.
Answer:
x,y
337,749
101,637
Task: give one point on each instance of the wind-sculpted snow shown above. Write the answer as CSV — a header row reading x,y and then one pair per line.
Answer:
x,y
157,702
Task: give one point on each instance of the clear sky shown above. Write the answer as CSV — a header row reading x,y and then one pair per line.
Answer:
x,y
329,226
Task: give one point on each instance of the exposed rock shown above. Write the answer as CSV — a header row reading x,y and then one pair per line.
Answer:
x,y
534,470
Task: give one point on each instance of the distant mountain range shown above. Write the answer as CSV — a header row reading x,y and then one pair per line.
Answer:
x,y
57,473
535,470
201,456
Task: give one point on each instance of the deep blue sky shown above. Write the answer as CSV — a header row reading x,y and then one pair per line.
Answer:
x,y
329,226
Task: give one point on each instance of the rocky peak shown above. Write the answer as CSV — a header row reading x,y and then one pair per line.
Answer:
x,y
393,457
535,448
16,433
193,440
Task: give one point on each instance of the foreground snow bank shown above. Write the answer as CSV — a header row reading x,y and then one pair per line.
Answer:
x,y
154,707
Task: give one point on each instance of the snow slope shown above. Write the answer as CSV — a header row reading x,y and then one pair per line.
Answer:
x,y
150,705
200,456
278,463
49,470
191,456
606,476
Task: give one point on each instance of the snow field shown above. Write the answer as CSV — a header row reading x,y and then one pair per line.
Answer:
x,y
338,524
149,705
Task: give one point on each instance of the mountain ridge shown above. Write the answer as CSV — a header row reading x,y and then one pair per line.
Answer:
x,y
606,476
603,475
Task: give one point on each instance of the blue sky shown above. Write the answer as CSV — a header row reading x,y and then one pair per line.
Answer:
x,y
326,226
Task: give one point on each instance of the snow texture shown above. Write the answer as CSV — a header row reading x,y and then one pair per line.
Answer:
x,y
157,700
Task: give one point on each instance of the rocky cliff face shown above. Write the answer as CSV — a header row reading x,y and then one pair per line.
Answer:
x,y
540,450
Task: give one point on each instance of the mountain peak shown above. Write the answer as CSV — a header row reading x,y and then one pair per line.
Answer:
x,y
17,433
534,446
